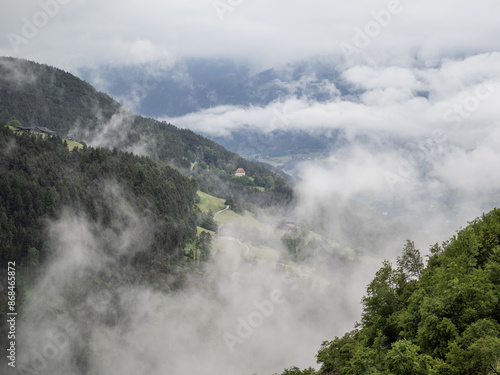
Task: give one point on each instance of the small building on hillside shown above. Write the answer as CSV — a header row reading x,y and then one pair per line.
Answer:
x,y
26,129
44,130
240,172
36,129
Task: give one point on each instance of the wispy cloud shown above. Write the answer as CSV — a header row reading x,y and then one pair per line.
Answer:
x,y
416,141
239,320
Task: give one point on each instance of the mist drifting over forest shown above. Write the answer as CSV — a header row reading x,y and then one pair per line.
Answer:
x,y
385,113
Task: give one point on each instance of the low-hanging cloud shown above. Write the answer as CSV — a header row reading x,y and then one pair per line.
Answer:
x,y
419,144
114,132
243,318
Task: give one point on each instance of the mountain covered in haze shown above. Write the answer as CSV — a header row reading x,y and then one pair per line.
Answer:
x,y
41,178
177,88
39,95
118,211
36,94
118,217
193,88
189,86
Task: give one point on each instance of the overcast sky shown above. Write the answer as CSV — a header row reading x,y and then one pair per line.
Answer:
x,y
72,33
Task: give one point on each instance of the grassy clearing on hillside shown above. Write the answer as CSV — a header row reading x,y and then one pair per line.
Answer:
x,y
209,203
192,245
241,225
73,144
239,248
200,229
246,220
263,253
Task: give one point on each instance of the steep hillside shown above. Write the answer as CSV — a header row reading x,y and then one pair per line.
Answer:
x,y
123,219
38,95
40,178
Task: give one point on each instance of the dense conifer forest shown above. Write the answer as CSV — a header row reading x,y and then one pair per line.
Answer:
x,y
40,177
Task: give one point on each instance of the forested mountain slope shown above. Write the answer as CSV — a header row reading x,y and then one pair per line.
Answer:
x,y
40,177
124,219
39,95
441,319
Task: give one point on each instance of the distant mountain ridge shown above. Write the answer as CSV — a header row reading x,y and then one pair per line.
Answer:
x,y
189,86
195,84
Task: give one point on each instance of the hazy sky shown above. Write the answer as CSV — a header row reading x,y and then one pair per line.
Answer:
x,y
72,33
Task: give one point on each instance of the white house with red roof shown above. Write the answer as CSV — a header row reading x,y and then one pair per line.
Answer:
x,y
240,172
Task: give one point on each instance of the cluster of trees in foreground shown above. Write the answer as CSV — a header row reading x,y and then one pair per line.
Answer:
x,y
439,319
